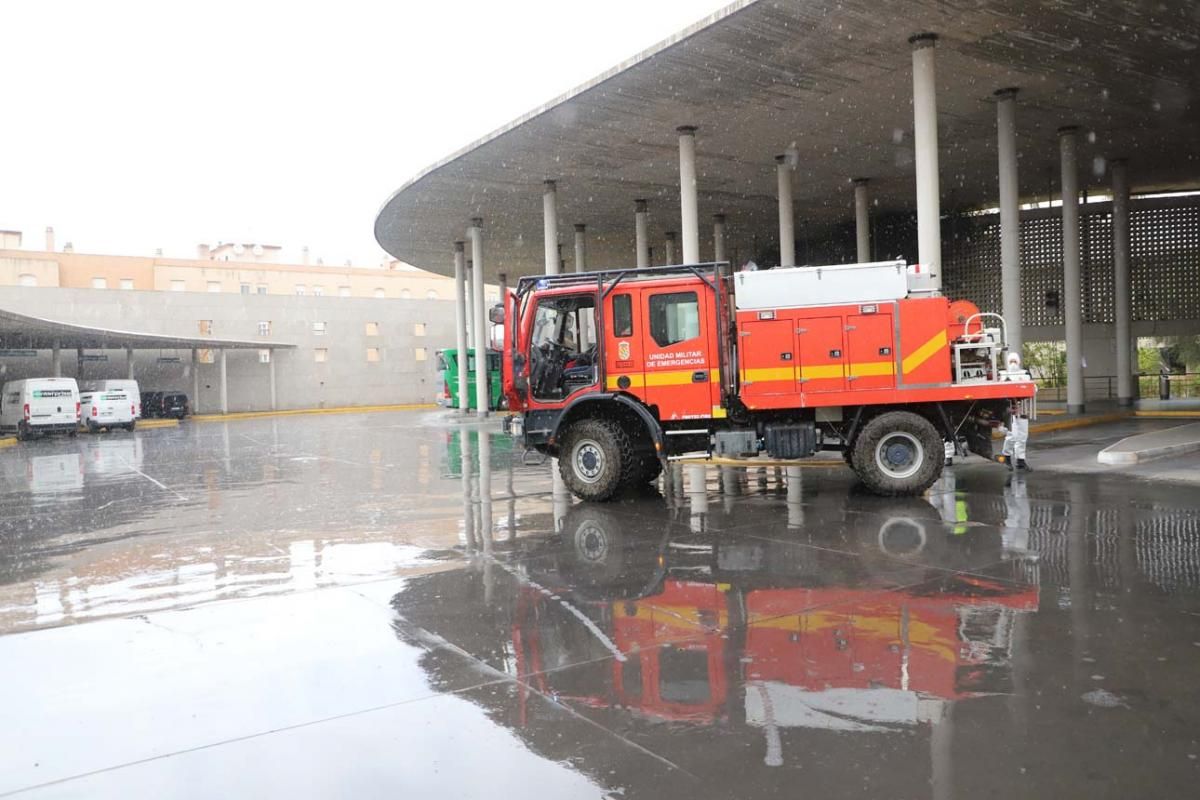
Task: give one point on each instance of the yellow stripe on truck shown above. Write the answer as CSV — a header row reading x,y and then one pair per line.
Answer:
x,y
868,369
925,352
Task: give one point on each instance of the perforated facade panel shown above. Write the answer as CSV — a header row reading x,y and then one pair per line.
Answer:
x,y
1165,254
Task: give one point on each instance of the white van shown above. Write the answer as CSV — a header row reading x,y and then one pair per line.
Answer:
x,y
108,409
130,387
39,405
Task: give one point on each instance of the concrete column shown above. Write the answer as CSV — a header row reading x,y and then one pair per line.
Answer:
x,y
56,359
129,363
1122,282
1072,278
470,319
862,219
670,248
718,237
195,381
641,221
1010,216
475,234
550,226
502,284
580,247
688,204
224,382
460,323
271,375
787,220
925,144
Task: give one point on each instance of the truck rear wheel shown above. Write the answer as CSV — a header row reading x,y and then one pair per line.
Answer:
x,y
594,456
898,453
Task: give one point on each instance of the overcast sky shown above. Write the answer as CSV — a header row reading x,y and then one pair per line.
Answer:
x,y
130,126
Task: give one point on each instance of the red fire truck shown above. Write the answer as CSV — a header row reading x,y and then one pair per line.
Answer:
x,y
615,372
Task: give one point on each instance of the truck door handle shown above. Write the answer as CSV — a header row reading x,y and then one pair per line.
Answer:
x,y
700,376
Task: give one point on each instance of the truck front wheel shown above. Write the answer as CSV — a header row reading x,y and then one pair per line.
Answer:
x,y
898,453
593,458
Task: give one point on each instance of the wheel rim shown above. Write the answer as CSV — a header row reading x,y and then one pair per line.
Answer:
x,y
588,460
591,542
899,455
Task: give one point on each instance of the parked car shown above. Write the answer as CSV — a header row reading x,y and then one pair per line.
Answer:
x,y
40,406
130,387
150,404
171,404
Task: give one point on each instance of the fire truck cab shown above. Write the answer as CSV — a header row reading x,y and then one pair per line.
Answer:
x,y
616,372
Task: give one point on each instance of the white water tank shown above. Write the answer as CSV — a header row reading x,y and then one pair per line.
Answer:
x,y
840,284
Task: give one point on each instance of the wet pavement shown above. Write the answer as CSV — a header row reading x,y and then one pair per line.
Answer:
x,y
352,606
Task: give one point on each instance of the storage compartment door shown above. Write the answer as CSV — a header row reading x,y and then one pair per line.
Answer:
x,y
872,357
822,354
768,360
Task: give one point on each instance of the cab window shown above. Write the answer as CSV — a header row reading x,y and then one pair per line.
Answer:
x,y
562,346
622,316
674,318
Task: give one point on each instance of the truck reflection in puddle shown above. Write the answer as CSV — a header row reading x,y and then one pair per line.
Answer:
x,y
635,615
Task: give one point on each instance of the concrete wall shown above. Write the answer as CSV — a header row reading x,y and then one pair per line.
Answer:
x,y
345,379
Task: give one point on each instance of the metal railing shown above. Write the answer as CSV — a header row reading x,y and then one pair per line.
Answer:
x,y
1184,386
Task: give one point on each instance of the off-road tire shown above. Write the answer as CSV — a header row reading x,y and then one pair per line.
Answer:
x,y
612,453
910,432
131,426
643,468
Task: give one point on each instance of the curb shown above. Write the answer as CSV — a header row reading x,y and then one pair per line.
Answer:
x,y
1168,414
295,412
725,461
8,441
157,423
1131,457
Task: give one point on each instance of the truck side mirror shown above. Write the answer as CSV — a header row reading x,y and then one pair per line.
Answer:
x,y
496,314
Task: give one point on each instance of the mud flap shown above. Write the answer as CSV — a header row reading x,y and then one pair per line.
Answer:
x,y
979,439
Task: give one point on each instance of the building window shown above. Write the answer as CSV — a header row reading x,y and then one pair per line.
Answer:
x,y
264,327
431,294
318,329
99,283
321,355
178,286
405,294
420,354
372,355
127,284
27,279
418,329
318,291
206,327
301,289
264,356
261,288
372,329
206,356
245,288
378,294
343,291
214,287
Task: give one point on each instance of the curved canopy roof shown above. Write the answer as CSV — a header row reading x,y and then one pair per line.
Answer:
x,y
36,333
830,85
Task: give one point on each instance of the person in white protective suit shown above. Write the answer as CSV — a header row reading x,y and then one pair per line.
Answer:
x,y
1016,428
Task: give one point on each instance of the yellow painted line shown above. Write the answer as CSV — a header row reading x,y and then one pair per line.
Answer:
x,y
295,412
1182,414
868,369
158,423
924,352
725,461
1054,413
8,441
820,371
768,374
1070,424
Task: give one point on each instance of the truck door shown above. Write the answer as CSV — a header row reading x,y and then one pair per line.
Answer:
x,y
822,352
768,363
871,359
624,360
680,350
